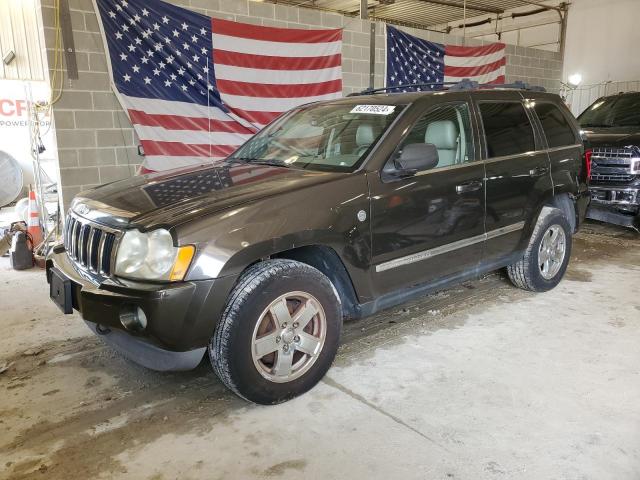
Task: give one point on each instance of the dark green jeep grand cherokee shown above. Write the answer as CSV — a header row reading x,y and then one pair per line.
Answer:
x,y
334,211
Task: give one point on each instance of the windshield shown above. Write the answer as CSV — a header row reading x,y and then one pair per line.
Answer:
x,y
329,137
619,111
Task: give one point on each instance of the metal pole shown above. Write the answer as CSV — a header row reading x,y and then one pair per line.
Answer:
x,y
563,32
372,55
464,22
364,9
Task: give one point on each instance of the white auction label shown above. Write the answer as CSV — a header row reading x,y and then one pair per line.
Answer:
x,y
374,109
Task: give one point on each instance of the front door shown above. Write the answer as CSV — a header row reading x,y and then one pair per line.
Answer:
x,y
430,225
518,174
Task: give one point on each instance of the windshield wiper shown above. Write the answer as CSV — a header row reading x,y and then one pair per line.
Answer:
x,y
260,161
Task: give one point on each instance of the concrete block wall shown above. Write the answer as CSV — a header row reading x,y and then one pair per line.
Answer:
x,y
96,142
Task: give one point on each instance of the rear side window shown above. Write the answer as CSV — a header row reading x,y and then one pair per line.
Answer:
x,y
556,127
507,128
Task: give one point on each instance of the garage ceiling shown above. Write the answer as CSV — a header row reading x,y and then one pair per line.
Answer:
x,y
424,13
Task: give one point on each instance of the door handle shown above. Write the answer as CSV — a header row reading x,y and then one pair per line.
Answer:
x,y
538,171
469,187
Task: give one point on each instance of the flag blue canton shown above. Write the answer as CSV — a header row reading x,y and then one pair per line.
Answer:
x,y
160,52
411,60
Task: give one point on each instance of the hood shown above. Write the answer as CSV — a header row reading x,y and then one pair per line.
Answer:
x,y
172,197
619,137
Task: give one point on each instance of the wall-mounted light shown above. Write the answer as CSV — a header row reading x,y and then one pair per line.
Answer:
x,y
9,57
575,79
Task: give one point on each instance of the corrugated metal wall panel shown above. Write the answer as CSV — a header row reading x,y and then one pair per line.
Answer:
x,y
20,31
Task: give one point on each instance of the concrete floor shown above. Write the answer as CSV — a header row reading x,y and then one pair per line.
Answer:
x,y
482,381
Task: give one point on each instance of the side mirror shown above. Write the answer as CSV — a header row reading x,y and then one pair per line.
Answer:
x,y
417,157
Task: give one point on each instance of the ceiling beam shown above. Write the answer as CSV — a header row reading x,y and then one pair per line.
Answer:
x,y
460,5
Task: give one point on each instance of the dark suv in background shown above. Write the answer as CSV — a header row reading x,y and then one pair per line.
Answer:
x,y
336,210
611,126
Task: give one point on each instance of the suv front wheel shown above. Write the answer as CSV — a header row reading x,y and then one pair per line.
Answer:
x,y
546,258
279,332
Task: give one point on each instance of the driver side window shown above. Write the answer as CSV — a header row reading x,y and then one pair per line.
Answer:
x,y
448,128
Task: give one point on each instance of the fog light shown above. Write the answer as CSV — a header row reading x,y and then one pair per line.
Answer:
x,y
133,318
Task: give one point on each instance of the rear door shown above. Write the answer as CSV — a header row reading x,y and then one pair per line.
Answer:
x,y
430,225
517,172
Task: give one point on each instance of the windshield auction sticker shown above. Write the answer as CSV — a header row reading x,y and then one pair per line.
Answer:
x,y
374,109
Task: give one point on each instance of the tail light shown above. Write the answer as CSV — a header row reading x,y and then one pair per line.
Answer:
x,y
587,162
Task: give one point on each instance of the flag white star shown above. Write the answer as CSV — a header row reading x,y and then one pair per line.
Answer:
x,y
184,26
200,77
158,46
150,53
184,87
165,19
181,71
210,87
132,47
118,35
125,27
147,80
156,26
127,77
144,60
205,69
156,71
173,76
176,33
137,17
169,59
123,57
196,58
145,12
167,40
167,83
124,3
203,51
112,15
119,8
138,41
194,39
185,46
135,68
192,82
189,65
202,31
132,21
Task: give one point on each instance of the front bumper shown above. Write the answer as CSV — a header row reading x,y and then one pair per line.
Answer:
x,y
616,204
181,317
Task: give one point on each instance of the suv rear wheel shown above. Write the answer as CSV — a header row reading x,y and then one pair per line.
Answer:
x,y
546,259
279,332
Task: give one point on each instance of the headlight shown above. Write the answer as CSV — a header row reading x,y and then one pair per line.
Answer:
x,y
152,256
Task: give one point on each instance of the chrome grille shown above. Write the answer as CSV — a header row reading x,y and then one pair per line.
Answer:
x,y
610,164
90,246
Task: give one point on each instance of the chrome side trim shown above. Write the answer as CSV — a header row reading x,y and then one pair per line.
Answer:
x,y
449,247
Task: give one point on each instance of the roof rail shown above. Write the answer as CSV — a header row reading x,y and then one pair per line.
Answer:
x,y
464,84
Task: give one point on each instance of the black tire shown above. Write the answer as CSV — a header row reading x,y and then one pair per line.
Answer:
x,y
230,349
526,272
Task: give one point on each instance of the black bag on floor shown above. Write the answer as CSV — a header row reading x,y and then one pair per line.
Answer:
x,y
20,254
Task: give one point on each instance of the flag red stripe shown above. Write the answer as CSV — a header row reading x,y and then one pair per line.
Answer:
x,y
466,72
255,117
176,122
267,90
248,60
274,34
498,81
457,51
152,147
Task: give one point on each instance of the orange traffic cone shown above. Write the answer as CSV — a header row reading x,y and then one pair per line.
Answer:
x,y
33,225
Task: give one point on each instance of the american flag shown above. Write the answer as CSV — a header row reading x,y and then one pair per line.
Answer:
x,y
411,60
196,87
